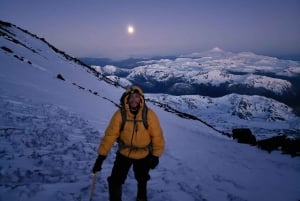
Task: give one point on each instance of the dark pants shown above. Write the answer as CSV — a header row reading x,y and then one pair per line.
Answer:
x,y
119,173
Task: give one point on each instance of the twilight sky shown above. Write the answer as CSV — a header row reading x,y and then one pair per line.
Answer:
x,y
98,28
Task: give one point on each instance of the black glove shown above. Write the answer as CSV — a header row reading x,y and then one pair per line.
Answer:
x,y
98,164
153,161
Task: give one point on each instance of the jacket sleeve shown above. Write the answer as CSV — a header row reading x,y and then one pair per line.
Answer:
x,y
156,133
111,134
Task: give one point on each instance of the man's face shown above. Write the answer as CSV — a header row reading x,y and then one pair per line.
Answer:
x,y
134,100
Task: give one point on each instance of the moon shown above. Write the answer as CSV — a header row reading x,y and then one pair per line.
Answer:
x,y
130,29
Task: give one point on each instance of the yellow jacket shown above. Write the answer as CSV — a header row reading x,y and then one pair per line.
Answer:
x,y
134,135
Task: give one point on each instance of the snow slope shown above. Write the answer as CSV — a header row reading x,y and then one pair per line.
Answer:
x,y
50,130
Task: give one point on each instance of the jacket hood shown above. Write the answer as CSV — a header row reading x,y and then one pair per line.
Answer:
x,y
132,90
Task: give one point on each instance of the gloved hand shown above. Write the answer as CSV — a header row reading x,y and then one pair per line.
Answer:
x,y
98,163
153,161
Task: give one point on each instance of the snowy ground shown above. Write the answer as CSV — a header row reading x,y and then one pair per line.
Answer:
x,y
47,153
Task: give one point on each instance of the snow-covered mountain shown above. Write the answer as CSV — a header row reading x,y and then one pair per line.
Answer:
x,y
266,117
54,110
216,73
111,72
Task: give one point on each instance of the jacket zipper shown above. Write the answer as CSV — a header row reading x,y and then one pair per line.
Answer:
x,y
134,129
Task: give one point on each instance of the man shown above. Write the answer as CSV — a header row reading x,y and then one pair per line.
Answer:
x,y
140,146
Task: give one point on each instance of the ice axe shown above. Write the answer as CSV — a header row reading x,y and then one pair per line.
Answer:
x,y
93,186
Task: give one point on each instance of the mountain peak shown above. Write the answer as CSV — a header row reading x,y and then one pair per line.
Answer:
x,y
216,49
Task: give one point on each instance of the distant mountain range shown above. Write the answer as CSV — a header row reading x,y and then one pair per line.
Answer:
x,y
124,63
214,73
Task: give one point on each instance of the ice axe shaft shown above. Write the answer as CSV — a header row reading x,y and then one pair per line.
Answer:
x,y
93,186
